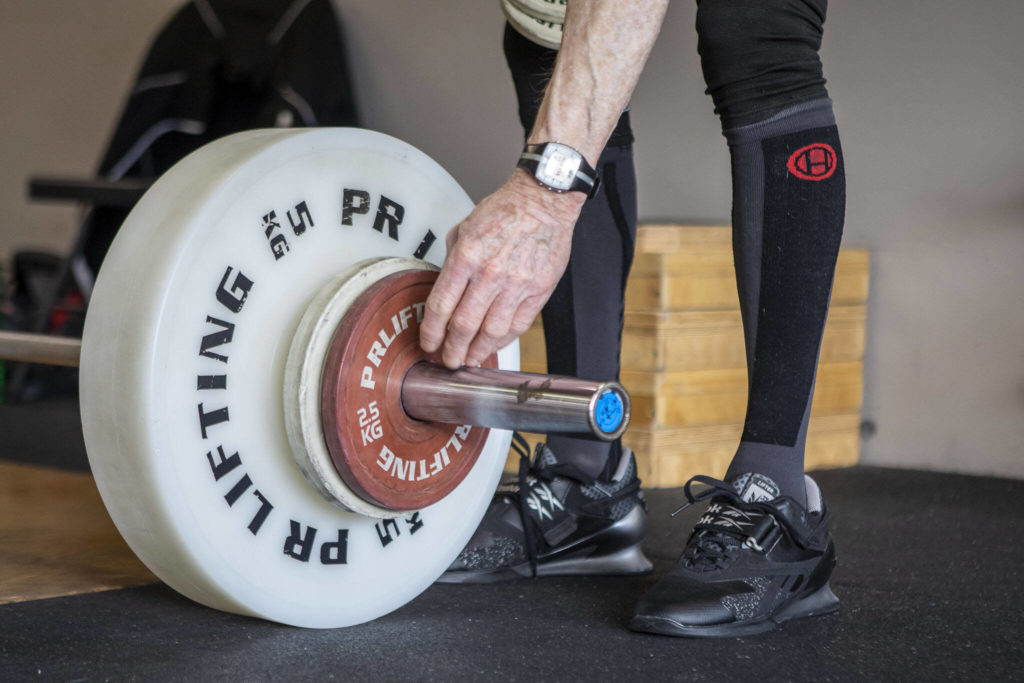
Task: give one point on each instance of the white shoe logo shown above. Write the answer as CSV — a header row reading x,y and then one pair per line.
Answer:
x,y
540,495
727,516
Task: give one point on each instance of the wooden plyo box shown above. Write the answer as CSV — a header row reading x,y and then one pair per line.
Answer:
x,y
684,364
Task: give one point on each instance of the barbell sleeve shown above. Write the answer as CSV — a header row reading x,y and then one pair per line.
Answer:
x,y
524,401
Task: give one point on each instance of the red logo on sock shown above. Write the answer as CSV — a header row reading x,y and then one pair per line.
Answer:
x,y
813,162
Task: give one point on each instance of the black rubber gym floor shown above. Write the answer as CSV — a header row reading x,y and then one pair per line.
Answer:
x,y
929,577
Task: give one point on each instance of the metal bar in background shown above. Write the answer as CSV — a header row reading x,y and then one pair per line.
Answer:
x,y
40,348
122,193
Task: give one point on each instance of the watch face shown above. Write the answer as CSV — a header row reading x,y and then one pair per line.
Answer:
x,y
558,166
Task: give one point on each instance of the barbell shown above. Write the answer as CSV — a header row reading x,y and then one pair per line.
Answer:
x,y
262,425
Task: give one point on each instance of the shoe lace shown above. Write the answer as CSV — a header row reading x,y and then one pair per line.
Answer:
x,y
729,524
522,447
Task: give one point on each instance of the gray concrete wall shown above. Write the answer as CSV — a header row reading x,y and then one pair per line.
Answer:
x,y
928,96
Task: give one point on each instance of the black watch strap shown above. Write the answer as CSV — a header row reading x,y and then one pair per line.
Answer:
x,y
585,178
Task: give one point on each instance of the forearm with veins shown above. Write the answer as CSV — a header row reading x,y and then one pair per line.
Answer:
x,y
605,44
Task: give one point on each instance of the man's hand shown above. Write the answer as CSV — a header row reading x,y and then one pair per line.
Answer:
x,y
504,261
506,258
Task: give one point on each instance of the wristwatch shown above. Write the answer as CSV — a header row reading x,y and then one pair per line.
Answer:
x,y
559,168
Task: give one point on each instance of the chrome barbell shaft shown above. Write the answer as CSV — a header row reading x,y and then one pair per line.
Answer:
x,y
516,400
40,348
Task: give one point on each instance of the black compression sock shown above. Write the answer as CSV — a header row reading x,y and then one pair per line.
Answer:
x,y
789,195
583,317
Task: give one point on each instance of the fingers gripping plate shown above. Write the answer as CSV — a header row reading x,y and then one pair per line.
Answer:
x,y
183,364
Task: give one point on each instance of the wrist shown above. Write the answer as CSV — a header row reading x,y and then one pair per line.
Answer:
x,y
563,204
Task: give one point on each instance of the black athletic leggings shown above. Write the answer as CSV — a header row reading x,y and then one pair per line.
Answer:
x,y
759,57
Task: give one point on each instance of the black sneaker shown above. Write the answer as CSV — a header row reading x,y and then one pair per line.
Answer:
x,y
550,525
753,561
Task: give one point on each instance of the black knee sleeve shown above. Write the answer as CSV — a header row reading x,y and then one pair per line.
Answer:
x,y
760,56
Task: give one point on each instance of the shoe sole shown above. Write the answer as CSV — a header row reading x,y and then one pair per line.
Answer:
x,y
574,560
626,562
823,601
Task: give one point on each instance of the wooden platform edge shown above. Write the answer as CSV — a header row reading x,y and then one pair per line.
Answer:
x,y
57,537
